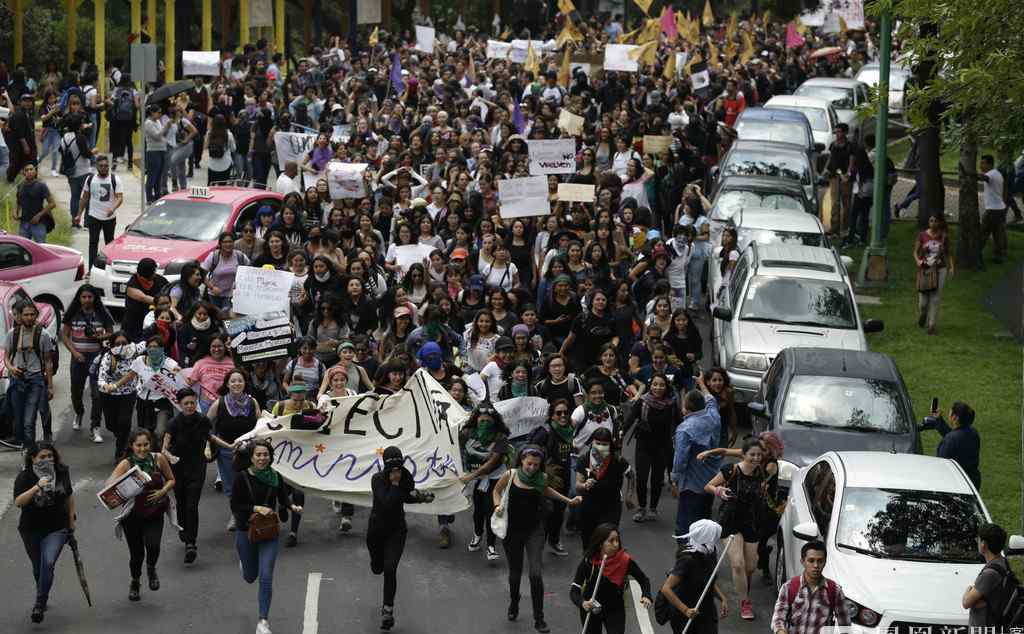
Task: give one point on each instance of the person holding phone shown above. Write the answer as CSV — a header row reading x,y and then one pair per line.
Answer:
x,y
960,439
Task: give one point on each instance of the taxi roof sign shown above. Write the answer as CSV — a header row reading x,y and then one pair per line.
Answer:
x,y
199,192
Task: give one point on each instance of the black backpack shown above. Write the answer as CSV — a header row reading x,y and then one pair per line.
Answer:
x,y
1008,610
124,107
68,158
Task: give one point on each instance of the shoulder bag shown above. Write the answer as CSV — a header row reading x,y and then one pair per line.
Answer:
x,y
499,521
262,527
927,279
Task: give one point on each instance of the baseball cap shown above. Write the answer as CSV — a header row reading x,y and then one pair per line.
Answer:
x,y
476,283
505,343
402,311
460,254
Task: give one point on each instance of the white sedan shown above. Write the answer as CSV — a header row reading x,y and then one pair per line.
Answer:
x,y
899,530
49,273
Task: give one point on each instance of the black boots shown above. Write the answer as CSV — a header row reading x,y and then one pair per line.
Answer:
x,y
154,580
133,590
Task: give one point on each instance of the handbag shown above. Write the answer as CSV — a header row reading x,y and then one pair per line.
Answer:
x,y
499,521
927,279
262,527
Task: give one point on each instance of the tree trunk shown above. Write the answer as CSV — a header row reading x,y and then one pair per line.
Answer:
x,y
932,200
968,246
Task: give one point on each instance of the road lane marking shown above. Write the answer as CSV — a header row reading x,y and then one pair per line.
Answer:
x,y
309,617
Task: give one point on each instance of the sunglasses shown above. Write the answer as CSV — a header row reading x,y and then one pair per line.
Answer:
x,y
561,412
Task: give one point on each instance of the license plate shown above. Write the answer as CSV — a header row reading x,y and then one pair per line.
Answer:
x,y
120,288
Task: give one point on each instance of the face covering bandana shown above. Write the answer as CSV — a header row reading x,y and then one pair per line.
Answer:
x,y
45,468
155,356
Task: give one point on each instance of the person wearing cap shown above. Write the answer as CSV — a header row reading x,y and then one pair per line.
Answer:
x,y
493,372
400,326
142,290
22,136
392,488
358,380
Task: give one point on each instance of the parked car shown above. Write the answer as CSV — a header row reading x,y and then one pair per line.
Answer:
x,y
899,75
900,531
780,296
846,95
10,294
819,113
769,160
49,273
781,126
177,229
821,399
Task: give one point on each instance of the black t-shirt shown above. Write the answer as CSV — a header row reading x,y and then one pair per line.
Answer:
x,y
31,197
189,435
135,311
54,515
591,333
693,571
608,490
554,310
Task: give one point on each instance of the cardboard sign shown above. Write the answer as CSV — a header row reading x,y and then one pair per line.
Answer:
x,y
522,414
205,63
656,144
259,337
345,180
519,197
259,290
409,254
616,57
569,192
425,39
556,156
292,146
570,122
496,49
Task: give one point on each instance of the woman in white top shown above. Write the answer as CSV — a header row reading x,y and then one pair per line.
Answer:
x,y
501,272
405,175
427,234
635,185
220,144
622,155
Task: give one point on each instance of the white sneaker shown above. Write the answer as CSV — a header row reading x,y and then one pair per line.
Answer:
x,y
77,423
492,555
54,173
96,437
263,627
474,545
346,525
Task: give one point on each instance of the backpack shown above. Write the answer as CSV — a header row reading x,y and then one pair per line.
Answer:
x,y
217,148
124,107
289,372
793,588
68,158
113,183
37,337
1010,596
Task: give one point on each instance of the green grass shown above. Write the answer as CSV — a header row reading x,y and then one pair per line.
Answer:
x,y
948,160
61,234
972,358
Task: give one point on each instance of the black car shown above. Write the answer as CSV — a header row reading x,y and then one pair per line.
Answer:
x,y
825,399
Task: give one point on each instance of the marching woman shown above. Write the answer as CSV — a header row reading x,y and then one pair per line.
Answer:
x,y
43,493
118,404
143,526
232,415
259,489
694,567
606,607
392,488
486,444
524,516
653,419
558,451
599,478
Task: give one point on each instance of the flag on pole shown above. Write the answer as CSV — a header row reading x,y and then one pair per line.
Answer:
x,y
568,34
566,7
646,54
748,47
564,73
713,54
693,61
793,38
374,37
651,31
644,5
670,66
532,64
708,18
730,28
668,24
396,74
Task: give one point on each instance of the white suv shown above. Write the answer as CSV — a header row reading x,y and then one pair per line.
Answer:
x,y
783,296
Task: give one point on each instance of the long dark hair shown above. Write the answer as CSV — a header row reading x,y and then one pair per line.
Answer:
x,y
598,537
75,306
33,451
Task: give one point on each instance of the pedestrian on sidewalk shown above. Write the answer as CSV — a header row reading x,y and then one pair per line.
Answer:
x,y
50,119
179,147
987,594
87,324
124,119
935,265
392,488
993,220
260,493
221,147
233,415
101,196
118,405
808,602
607,608
29,361
22,136
76,160
155,131
143,525
35,206
43,493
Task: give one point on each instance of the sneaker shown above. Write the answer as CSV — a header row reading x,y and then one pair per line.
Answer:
x,y
474,545
559,549
746,610
263,627
387,617
190,553
133,590
96,436
293,540
541,626
445,540
54,173
640,515
492,554
37,614
218,485
232,525
77,423
346,525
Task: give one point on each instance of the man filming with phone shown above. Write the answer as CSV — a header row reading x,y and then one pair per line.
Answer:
x,y
960,440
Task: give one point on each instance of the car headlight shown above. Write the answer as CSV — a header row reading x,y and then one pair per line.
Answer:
x,y
100,262
174,267
750,361
861,615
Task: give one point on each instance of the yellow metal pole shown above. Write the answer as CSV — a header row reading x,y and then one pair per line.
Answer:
x,y
243,23
18,7
279,27
170,52
100,46
207,25
136,25
151,20
72,10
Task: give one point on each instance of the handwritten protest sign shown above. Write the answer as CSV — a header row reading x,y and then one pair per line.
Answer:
x,y
569,192
520,48
656,143
409,254
345,180
616,57
425,39
258,337
522,414
200,63
292,146
259,290
526,196
165,381
338,461
496,49
556,156
570,123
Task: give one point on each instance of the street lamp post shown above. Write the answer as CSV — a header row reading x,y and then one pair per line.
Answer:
x,y
874,266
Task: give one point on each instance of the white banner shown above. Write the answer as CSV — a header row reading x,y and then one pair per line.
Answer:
x,y
528,196
517,54
345,180
616,57
368,11
425,39
556,156
496,49
522,414
259,290
852,12
339,460
200,63
409,254
261,13
569,192
292,146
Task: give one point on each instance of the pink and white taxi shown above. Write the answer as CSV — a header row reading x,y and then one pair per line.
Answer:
x,y
177,229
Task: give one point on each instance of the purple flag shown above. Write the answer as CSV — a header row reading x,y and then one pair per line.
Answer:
x,y
396,74
517,118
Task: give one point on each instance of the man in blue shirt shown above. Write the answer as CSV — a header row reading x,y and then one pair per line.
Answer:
x,y
960,440
700,431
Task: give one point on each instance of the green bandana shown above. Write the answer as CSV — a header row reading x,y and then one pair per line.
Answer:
x,y
593,410
485,432
537,481
564,432
520,388
267,476
147,465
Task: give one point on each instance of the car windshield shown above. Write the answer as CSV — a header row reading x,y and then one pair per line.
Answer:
x,y
846,403
817,116
799,301
840,97
782,131
733,200
182,220
913,525
768,163
768,236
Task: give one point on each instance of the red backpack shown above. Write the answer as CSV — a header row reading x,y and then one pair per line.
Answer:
x,y
793,588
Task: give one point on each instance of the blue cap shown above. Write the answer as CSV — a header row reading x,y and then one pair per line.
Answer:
x,y
265,209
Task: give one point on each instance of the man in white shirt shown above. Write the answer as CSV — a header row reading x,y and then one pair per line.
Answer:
x,y
288,180
101,196
993,220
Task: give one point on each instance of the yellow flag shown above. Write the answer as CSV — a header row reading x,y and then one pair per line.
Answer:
x,y
651,31
765,18
694,59
646,54
569,34
625,37
730,28
842,26
713,54
670,66
566,6
748,48
753,21
504,35
564,74
374,37
644,5
532,64
730,50
708,19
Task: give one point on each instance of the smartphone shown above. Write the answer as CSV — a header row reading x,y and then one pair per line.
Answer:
x,y
935,404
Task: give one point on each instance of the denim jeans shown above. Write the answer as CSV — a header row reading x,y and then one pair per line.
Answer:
x,y
694,282
154,170
258,563
177,166
26,393
75,183
693,506
227,474
79,371
34,232
43,550
51,144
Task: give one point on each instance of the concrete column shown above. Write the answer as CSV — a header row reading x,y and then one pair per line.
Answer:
x,y
243,23
207,25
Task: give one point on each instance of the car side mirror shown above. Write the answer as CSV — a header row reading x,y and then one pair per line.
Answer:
x,y
720,312
819,147
757,407
806,531
1015,546
874,325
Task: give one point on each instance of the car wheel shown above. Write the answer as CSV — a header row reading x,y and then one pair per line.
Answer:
x,y
780,562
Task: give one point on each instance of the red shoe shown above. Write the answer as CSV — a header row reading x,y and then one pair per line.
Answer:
x,y
746,610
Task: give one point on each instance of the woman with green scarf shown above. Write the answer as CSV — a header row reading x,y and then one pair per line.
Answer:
x,y
518,381
259,489
143,525
525,522
558,449
485,440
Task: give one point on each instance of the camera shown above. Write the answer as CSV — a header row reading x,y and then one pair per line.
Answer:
x,y
89,331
